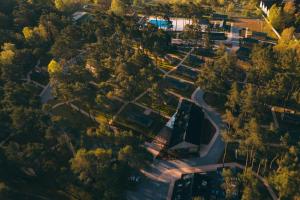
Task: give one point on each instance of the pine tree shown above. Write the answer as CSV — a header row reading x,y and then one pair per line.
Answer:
x,y
248,107
275,17
117,7
233,98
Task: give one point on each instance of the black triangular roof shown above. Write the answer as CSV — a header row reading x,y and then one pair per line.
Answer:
x,y
188,124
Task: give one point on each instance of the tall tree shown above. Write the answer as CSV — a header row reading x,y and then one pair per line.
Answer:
x,y
276,17
249,102
233,98
286,178
118,7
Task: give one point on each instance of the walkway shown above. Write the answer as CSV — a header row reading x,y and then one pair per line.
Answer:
x,y
180,63
148,90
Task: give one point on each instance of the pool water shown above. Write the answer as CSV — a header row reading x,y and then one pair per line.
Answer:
x,y
160,23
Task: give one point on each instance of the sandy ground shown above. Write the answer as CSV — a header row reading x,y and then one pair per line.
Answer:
x,y
252,24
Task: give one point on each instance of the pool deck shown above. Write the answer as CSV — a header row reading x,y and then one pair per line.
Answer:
x,y
178,23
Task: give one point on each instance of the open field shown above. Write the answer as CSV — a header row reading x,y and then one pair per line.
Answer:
x,y
254,24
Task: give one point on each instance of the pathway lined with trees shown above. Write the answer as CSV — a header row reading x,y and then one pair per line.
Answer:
x,y
148,90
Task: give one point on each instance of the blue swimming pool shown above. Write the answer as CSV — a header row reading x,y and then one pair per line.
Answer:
x,y
160,23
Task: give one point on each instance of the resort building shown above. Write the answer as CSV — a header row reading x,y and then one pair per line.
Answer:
x,y
205,185
191,129
265,5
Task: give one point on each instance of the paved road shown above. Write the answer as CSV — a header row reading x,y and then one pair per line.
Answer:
x,y
197,97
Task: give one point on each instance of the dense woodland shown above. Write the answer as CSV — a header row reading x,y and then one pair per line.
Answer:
x,y
37,157
34,140
272,80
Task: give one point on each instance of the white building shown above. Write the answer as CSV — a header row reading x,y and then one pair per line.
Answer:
x,y
265,5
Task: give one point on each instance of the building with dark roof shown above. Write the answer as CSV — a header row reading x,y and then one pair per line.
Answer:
x,y
206,185
266,5
191,128
217,36
248,42
218,23
204,24
218,17
246,33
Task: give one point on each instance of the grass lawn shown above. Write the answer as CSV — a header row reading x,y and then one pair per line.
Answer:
x,y
185,73
133,111
254,24
162,63
178,54
193,61
168,109
165,65
184,89
181,76
102,113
